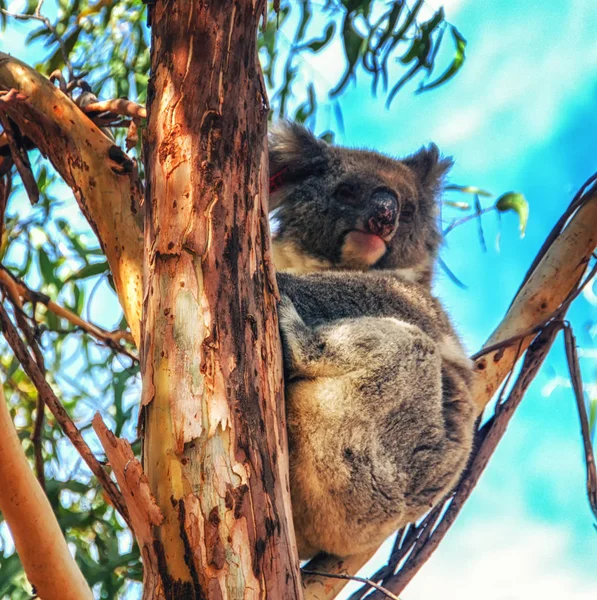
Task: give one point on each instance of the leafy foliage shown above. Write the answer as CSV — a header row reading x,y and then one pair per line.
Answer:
x,y
51,247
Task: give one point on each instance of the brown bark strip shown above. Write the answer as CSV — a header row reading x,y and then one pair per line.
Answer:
x,y
62,417
102,177
40,544
215,437
143,510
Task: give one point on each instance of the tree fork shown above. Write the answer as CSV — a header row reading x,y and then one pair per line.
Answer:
x,y
215,435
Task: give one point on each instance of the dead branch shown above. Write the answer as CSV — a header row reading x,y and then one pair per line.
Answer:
x,y
62,417
103,178
19,291
38,540
142,507
576,379
369,583
121,107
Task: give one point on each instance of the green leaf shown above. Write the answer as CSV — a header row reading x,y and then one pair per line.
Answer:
x,y
478,213
468,189
10,567
89,271
56,61
454,67
458,205
317,44
46,266
328,137
518,203
354,43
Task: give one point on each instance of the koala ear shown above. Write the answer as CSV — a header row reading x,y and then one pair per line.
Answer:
x,y
294,153
429,167
294,147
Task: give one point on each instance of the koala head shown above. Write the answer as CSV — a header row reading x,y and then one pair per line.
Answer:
x,y
339,208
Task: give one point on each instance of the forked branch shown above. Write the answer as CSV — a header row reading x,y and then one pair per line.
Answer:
x,y
103,178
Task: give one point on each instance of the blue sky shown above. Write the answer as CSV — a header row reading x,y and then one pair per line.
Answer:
x,y
520,116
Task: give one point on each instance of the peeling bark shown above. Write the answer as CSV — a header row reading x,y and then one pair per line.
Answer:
x,y
102,177
215,436
143,510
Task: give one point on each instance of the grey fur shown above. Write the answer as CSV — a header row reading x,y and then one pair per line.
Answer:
x,y
313,222
380,418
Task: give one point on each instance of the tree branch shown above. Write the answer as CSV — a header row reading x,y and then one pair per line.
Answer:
x,y
122,107
547,286
103,178
51,401
19,290
38,540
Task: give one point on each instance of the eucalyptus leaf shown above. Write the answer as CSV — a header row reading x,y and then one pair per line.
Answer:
x,y
516,202
468,189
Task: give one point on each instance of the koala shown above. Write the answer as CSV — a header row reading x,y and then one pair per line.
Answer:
x,y
379,413
339,208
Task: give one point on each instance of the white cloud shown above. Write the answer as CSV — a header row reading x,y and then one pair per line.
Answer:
x,y
513,559
519,80
506,560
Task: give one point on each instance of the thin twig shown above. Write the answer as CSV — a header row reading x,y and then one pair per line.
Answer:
x,y
112,339
36,16
62,417
461,221
30,335
378,587
576,379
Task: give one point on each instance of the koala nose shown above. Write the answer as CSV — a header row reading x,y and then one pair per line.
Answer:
x,y
384,213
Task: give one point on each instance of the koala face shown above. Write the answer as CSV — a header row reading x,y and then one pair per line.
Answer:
x,y
339,208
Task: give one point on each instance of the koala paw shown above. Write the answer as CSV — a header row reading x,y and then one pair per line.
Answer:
x,y
287,315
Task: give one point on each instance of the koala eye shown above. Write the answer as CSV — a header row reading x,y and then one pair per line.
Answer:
x,y
407,213
345,193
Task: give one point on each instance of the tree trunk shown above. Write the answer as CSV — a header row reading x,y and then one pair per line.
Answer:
x,y
215,435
